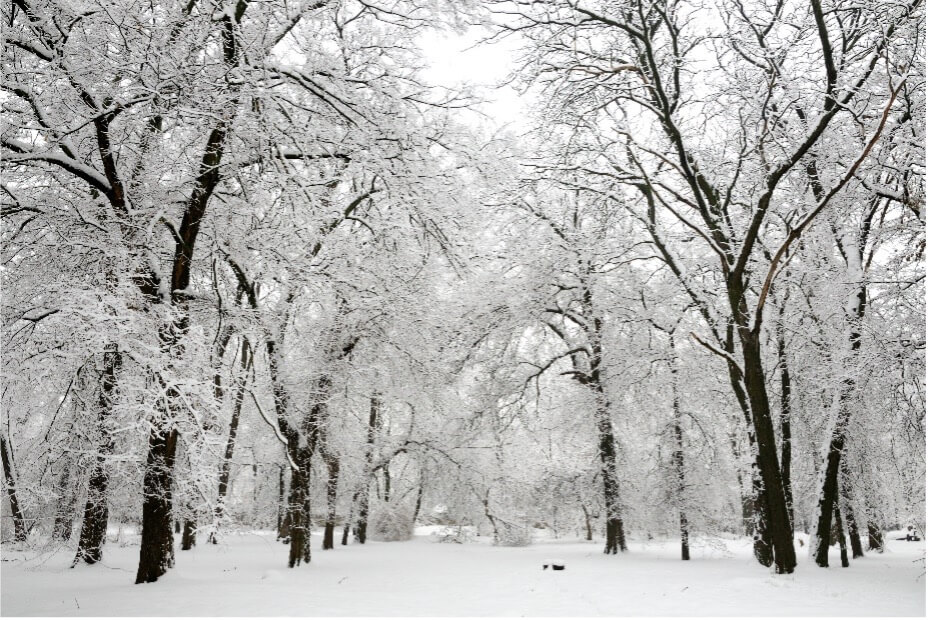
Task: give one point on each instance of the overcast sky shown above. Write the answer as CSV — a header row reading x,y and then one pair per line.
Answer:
x,y
461,59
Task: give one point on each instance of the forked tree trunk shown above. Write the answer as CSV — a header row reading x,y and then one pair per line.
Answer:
x,y
96,512
842,543
776,515
857,549
19,523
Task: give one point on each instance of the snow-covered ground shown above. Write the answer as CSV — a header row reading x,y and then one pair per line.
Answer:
x,y
248,576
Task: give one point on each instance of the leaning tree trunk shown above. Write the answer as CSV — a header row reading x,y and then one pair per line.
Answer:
x,y
857,548
786,434
754,508
842,543
96,512
19,522
874,537
225,469
777,512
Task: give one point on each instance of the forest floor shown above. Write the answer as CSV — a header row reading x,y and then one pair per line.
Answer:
x,y
247,576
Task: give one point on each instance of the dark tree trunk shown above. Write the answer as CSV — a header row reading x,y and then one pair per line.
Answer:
x,y
96,512
373,424
857,548
829,494
281,506
156,555
19,523
386,482
786,435
298,510
415,512
64,512
776,514
189,539
177,527
615,534
225,469
678,456
842,543
331,487
753,506
874,537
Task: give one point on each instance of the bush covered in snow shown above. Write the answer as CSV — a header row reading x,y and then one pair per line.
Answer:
x,y
389,524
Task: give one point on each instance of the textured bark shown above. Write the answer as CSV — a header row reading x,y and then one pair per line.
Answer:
x,y
96,512
19,522
281,506
64,511
679,464
786,434
156,555
777,519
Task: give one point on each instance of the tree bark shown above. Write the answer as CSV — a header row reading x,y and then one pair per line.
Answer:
x,y
373,424
874,537
678,456
225,469
332,465
842,543
786,435
773,497
19,522
64,512
156,555
96,512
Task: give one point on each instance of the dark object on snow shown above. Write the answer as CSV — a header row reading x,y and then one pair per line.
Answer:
x,y
554,566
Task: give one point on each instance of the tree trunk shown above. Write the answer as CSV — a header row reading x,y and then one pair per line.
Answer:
x,y
587,521
225,469
786,435
373,424
874,537
189,539
156,555
19,523
96,512
415,512
281,507
777,514
829,494
331,487
66,505
857,548
842,543
64,511
678,456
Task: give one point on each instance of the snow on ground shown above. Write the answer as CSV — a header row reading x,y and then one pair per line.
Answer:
x,y
247,576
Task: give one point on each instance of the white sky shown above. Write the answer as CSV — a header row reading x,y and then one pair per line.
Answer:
x,y
461,60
